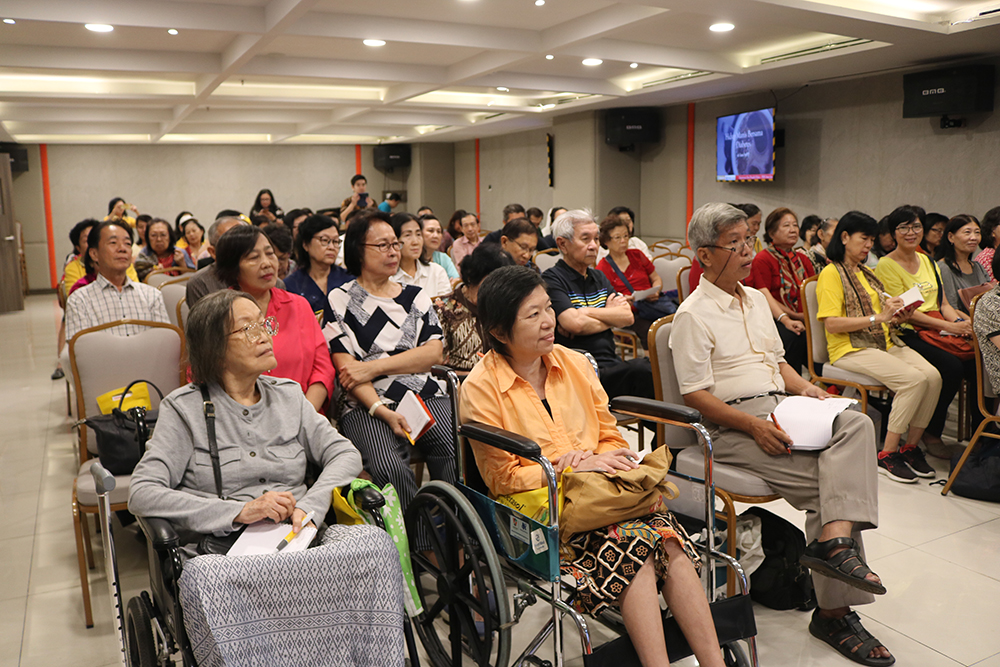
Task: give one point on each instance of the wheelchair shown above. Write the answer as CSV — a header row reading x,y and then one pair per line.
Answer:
x,y
479,546
150,627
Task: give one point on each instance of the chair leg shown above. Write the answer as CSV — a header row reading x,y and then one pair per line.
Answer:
x,y
85,534
84,583
961,432
965,456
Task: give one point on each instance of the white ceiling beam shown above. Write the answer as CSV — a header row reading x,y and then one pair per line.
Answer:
x,y
595,24
405,91
415,31
279,16
557,84
20,127
651,54
32,113
140,14
5,135
188,127
293,116
112,60
413,117
352,70
857,22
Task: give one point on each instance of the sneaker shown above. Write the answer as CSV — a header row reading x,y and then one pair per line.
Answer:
x,y
914,458
893,466
58,373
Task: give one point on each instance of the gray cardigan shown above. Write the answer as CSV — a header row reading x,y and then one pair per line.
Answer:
x,y
951,282
263,447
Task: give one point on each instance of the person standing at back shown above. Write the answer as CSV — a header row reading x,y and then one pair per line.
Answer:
x,y
359,199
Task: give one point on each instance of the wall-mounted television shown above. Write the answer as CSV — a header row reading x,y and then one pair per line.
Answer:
x,y
744,146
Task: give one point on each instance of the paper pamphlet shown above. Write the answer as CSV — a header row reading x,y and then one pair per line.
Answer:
x,y
263,538
417,416
809,421
643,294
912,296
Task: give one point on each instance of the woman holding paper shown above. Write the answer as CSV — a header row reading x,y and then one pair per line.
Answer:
x,y
384,338
857,314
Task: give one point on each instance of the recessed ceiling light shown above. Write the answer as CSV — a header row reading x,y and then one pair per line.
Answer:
x,y
539,3
99,27
592,62
634,65
172,31
503,89
549,57
721,27
374,42
9,21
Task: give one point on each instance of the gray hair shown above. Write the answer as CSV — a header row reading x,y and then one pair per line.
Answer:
x,y
213,231
206,331
710,221
565,223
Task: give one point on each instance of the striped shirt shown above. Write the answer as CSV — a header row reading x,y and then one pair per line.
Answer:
x,y
101,302
568,288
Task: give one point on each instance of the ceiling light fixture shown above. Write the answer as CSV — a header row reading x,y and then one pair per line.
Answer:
x,y
592,62
9,21
539,3
374,42
634,65
172,31
549,57
98,27
503,89
721,27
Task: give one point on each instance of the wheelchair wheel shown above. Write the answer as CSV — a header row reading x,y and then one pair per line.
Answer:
x,y
734,655
140,640
462,590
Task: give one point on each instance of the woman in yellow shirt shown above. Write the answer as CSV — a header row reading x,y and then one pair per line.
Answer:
x,y
857,315
528,385
906,267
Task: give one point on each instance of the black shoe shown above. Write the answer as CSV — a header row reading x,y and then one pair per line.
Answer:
x,y
58,374
893,466
914,458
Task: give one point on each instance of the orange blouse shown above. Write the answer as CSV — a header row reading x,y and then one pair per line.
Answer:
x,y
494,394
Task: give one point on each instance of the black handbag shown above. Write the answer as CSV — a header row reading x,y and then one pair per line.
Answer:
x,y
122,435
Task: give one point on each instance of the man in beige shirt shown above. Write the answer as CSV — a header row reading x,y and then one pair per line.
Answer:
x,y
730,366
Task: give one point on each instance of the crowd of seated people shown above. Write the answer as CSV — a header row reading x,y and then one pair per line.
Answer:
x,y
371,302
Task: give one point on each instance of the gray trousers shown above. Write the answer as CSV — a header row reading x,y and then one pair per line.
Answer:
x,y
839,483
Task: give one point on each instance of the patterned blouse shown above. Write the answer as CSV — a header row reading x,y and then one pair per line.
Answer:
x,y
463,342
369,327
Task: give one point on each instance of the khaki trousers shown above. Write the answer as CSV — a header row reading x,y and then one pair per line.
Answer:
x,y
839,483
916,383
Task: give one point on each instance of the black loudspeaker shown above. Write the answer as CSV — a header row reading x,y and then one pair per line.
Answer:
x,y
389,156
636,125
949,91
18,156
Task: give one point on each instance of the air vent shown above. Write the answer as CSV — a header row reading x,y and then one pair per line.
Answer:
x,y
678,77
494,115
825,48
567,100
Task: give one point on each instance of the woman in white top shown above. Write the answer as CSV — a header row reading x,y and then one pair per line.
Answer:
x,y
413,268
433,235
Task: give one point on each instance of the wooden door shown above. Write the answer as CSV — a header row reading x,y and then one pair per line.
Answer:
x,y
11,296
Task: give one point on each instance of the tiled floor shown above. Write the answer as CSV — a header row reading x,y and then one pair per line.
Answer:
x,y
939,557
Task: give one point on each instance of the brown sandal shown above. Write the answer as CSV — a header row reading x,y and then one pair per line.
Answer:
x,y
846,565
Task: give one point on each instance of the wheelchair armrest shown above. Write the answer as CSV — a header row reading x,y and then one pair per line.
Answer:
x,y
368,497
653,409
501,439
161,533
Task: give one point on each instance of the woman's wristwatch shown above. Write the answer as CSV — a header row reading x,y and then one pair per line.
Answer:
x,y
780,316
871,320
374,407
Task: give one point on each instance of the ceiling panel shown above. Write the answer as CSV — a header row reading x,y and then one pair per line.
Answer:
x,y
74,35
501,13
353,49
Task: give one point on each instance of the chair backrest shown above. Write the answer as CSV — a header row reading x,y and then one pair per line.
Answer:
x,y
546,259
182,313
183,278
665,385
172,294
684,283
686,252
983,384
102,361
668,268
817,351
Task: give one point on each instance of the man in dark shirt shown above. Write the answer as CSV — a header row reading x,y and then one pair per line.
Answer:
x,y
588,308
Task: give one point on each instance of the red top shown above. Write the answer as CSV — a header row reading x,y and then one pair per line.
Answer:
x,y
694,277
766,274
299,347
638,272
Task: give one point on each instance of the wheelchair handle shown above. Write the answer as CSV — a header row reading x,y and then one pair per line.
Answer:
x,y
647,408
501,439
368,498
103,480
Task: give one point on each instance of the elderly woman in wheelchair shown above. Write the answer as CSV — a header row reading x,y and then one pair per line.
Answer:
x,y
531,386
232,450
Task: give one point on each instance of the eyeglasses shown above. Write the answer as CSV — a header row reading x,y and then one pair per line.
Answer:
x,y
914,227
252,330
738,246
525,247
327,241
383,247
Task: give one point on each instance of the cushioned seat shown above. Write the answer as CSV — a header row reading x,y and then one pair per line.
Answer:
x,y
834,373
691,461
86,491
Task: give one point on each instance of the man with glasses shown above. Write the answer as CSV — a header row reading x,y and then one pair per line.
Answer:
x,y
519,239
730,366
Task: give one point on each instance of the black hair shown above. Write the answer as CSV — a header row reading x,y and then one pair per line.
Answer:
x,y
206,331
901,215
518,227
111,204
946,249
355,237
774,219
928,220
500,297
309,228
534,212
233,246
279,236
851,222
258,220
511,208
94,240
177,220
426,208
995,264
883,228
455,223
74,234
358,177
400,219
394,196
144,217
197,224
552,212
618,210
289,218
228,213
990,222
482,261
809,222
749,209
172,238
273,208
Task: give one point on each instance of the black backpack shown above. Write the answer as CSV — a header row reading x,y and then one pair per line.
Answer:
x,y
781,582
979,478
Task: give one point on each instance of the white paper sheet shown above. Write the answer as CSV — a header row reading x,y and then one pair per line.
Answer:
x,y
263,538
416,414
809,421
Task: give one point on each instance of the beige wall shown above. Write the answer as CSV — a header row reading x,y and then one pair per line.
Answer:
x,y
618,177
663,199
432,179
575,160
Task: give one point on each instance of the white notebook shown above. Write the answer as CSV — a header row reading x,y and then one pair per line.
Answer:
x,y
263,538
809,421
